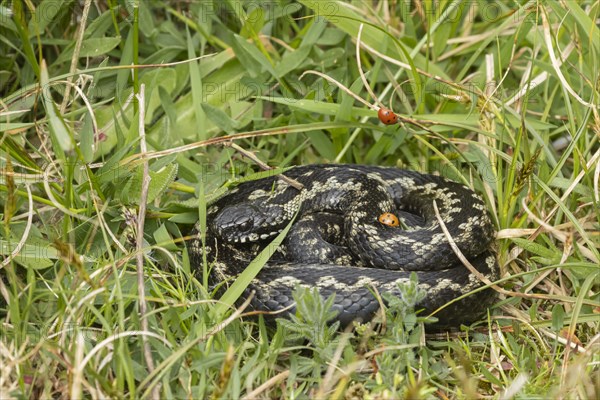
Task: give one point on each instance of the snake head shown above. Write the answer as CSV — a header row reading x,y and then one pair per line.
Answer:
x,y
242,223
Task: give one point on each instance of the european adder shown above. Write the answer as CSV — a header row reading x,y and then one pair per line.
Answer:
x,y
337,243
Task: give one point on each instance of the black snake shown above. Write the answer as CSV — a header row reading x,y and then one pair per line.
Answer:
x,y
337,243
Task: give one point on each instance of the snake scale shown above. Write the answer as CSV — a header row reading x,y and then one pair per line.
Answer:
x,y
337,244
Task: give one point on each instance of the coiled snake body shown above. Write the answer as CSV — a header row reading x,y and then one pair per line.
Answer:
x,y
337,244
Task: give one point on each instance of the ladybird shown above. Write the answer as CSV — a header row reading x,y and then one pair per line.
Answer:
x,y
387,116
389,219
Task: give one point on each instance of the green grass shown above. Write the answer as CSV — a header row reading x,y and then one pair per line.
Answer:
x,y
502,96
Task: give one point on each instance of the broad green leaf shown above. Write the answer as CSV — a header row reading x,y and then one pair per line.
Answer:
x,y
197,91
220,118
44,14
159,182
292,61
252,52
164,78
92,47
558,317
163,238
112,170
168,106
322,143
564,183
253,22
34,262
146,23
98,46
59,133
99,26
12,126
87,139
35,254
535,248
314,32
185,218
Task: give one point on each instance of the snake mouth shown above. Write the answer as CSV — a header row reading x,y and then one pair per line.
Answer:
x,y
254,237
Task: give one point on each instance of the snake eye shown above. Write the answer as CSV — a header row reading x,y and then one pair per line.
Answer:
x,y
244,226
389,219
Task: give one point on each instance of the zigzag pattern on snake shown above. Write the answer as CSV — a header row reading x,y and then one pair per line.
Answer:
x,y
337,244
